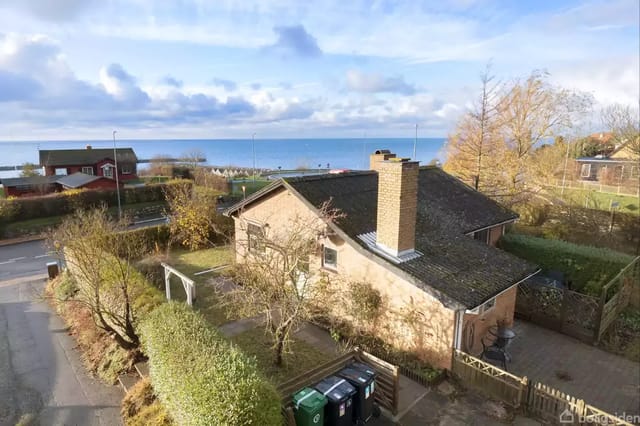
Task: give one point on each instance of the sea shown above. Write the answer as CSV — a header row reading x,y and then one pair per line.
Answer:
x,y
287,154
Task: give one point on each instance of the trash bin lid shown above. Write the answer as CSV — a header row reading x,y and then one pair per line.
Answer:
x,y
361,366
355,376
335,388
309,399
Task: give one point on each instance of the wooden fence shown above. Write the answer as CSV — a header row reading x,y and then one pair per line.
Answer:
x,y
536,399
579,315
629,189
387,381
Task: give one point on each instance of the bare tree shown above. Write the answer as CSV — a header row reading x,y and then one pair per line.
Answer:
x,y
100,261
29,170
469,147
624,124
193,157
279,278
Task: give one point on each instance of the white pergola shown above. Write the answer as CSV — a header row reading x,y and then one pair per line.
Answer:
x,y
187,283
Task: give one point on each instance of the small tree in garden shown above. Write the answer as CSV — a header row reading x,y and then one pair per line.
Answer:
x,y
193,218
100,261
277,279
29,170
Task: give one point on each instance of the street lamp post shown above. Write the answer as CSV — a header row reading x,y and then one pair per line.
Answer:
x,y
253,148
115,160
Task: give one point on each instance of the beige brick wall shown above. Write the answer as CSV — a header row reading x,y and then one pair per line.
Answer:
x,y
477,326
431,337
397,205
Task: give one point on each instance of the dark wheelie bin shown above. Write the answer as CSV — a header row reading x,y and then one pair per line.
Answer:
x,y
308,407
363,400
339,393
366,368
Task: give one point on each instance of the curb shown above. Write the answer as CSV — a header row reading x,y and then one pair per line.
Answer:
x,y
19,240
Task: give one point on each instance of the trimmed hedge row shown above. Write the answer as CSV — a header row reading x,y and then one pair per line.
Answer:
x,y
154,238
587,268
66,202
200,377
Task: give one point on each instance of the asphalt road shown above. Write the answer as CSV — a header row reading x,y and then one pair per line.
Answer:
x,y
23,259
41,373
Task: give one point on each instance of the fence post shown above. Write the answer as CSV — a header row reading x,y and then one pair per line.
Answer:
x,y
602,302
523,393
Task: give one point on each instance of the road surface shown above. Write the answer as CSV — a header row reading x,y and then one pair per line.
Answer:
x,y
23,259
41,373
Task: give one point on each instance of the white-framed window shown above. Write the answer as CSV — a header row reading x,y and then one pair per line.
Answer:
x,y
126,170
329,258
255,237
634,172
62,171
485,307
87,170
585,171
108,171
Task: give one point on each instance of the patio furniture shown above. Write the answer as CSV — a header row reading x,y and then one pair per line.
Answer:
x,y
502,336
495,353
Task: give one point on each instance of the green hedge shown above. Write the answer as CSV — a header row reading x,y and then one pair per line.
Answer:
x,y
588,268
200,377
62,203
154,238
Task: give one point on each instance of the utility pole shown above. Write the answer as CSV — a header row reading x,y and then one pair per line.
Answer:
x,y
415,143
564,172
253,147
115,159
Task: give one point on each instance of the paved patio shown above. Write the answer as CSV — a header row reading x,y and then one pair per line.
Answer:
x,y
602,379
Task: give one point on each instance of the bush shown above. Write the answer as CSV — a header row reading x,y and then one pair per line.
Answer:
x,y
200,377
587,268
141,408
155,238
66,202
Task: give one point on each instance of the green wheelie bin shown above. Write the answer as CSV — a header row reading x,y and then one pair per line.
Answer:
x,y
308,405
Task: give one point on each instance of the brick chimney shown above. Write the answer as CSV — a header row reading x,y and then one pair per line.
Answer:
x,y
397,205
88,146
378,156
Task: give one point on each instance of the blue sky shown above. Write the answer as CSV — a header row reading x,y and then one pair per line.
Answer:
x,y
76,69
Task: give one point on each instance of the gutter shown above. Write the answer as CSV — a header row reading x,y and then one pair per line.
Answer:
x,y
504,222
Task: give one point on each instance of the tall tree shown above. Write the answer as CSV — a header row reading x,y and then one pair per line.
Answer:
x,y
624,124
470,147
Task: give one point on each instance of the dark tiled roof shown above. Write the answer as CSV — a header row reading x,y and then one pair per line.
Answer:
x,y
70,157
76,180
465,270
33,180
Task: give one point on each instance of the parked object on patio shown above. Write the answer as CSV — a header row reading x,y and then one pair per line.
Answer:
x,y
363,401
309,407
503,336
339,393
495,353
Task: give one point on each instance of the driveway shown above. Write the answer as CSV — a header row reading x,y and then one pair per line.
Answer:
x,y
601,379
41,374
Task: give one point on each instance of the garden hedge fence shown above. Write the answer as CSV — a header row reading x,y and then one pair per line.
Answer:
x,y
200,377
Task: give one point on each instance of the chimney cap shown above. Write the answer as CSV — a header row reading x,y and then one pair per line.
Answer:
x,y
382,151
399,160
88,147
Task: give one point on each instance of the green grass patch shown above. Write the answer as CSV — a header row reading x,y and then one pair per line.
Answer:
x,y
600,200
587,268
303,356
250,185
31,226
207,297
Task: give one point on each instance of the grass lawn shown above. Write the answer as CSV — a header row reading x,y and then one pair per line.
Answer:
x,y
31,226
249,184
600,200
304,357
207,300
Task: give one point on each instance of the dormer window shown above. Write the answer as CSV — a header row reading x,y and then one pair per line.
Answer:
x,y
107,170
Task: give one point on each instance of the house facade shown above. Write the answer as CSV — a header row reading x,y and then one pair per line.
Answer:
x,y
620,167
90,161
419,236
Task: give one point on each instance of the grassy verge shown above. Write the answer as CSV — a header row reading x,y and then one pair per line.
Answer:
x,y
599,200
140,407
303,356
101,355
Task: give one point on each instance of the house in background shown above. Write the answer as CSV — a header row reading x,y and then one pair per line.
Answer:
x,y
621,166
90,161
419,236
42,185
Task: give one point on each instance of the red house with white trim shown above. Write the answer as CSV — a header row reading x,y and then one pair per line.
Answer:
x,y
93,162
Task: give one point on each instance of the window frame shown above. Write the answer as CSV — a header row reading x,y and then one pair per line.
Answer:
x,y
331,266
484,308
109,168
586,166
255,234
486,232
84,170
126,169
